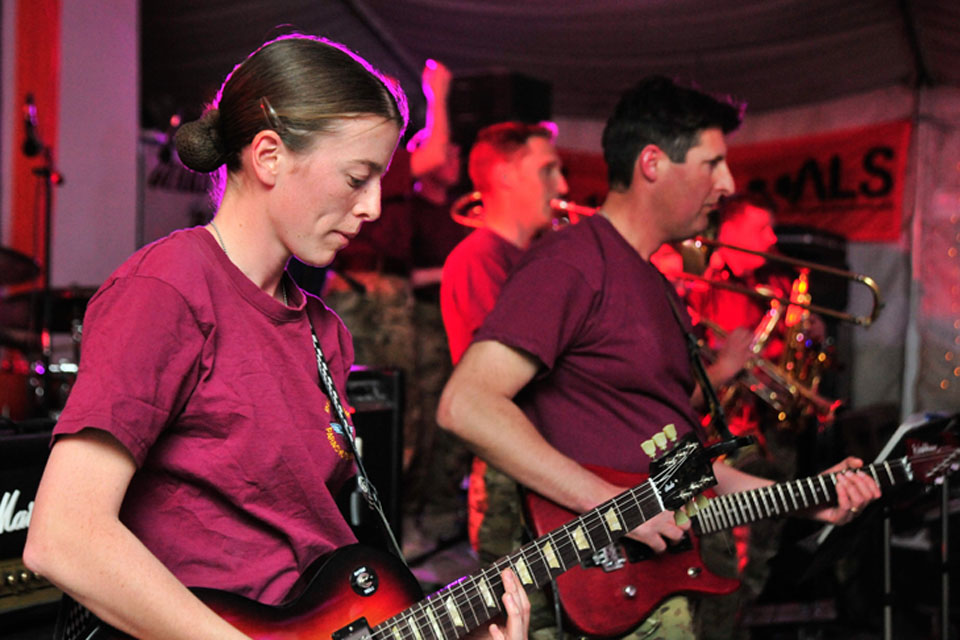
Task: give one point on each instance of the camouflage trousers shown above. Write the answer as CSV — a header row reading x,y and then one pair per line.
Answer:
x,y
746,551
380,320
392,329
440,460
496,529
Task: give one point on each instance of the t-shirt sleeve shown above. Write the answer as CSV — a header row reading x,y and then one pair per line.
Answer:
x,y
139,363
543,308
469,290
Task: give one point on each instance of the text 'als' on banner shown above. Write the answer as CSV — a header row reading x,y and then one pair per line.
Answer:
x,y
847,182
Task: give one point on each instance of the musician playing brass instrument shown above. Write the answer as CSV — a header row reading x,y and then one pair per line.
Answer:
x,y
759,401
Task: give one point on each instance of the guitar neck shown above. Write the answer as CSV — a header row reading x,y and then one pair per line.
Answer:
x,y
734,509
470,602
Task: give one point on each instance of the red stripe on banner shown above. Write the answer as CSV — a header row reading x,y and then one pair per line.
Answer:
x,y
847,182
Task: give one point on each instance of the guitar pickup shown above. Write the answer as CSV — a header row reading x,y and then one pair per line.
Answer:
x,y
359,629
608,558
615,556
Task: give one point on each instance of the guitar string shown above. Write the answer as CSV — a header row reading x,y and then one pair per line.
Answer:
x,y
729,502
467,587
437,600
592,522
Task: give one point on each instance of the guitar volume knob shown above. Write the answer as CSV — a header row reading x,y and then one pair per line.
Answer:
x,y
630,591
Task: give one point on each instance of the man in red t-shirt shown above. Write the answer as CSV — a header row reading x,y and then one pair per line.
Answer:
x,y
516,169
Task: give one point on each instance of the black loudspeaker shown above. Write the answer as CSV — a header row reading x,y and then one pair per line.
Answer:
x,y
481,100
376,395
823,248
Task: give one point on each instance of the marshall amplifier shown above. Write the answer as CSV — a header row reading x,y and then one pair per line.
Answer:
x,y
376,396
22,458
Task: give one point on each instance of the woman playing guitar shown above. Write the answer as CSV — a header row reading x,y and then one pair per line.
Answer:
x,y
199,447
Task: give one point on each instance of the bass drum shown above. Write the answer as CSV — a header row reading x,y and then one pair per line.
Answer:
x,y
16,392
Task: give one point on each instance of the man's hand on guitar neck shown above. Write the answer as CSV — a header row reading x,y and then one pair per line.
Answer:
x,y
855,490
659,531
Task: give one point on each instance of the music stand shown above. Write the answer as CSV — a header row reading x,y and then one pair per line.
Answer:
x,y
922,426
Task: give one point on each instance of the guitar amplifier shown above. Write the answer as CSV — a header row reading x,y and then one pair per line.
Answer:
x,y
22,458
376,396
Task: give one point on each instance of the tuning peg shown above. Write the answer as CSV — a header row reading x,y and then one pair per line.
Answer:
x,y
680,518
702,501
671,431
649,448
660,439
692,508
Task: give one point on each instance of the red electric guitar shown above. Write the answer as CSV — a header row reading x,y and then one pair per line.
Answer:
x,y
358,593
613,591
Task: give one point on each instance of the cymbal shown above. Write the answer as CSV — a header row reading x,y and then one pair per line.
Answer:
x,y
20,340
25,310
16,267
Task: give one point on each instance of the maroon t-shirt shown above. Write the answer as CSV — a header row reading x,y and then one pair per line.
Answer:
x,y
212,386
615,367
472,276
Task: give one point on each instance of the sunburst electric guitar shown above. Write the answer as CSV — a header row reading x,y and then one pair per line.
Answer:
x,y
361,593
616,588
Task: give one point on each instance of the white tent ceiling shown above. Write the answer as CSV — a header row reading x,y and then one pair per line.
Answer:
x,y
771,53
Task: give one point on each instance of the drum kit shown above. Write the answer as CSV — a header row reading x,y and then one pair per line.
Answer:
x,y
34,384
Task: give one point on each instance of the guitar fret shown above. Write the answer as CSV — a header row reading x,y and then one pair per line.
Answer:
x,y
731,510
763,496
783,498
563,545
886,467
803,496
705,518
725,513
467,588
486,595
823,485
414,628
748,508
741,512
756,502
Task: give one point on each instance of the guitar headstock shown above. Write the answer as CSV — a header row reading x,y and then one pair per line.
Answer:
x,y
680,471
931,462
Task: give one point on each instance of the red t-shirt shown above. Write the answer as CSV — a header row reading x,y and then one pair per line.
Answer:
x,y
615,367
212,386
472,276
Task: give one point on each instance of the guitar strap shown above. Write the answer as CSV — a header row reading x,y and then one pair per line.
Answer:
x,y
366,487
717,417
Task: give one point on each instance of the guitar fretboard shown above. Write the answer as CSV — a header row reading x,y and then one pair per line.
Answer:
x,y
734,509
465,605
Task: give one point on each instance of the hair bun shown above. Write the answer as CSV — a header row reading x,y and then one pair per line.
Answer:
x,y
199,143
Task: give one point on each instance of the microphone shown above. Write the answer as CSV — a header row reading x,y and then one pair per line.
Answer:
x,y
32,146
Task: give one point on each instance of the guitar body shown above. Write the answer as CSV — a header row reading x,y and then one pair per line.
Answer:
x,y
357,592
596,602
330,599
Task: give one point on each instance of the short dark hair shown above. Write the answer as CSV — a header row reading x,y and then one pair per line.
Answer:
x,y
659,111
498,142
733,206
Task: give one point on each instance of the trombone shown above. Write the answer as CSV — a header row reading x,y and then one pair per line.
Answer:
x,y
468,211
700,244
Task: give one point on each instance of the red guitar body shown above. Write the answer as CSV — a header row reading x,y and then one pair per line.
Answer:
x,y
327,602
596,602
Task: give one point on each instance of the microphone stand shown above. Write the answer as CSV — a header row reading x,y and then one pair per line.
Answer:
x,y
50,177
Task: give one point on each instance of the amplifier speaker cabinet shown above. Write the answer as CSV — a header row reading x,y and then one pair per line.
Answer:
x,y
376,396
22,458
